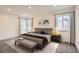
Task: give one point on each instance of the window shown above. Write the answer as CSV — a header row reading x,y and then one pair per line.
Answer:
x,y
63,22
25,25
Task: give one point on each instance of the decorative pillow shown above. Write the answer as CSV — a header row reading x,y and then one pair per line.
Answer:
x,y
20,38
36,32
43,32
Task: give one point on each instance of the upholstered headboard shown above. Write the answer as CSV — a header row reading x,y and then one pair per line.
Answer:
x,y
43,29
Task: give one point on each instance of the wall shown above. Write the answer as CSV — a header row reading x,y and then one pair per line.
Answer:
x,y
50,16
8,26
77,26
65,36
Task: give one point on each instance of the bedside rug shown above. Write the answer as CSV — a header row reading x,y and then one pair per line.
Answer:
x,y
5,48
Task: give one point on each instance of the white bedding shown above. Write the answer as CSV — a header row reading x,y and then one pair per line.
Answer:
x,y
47,36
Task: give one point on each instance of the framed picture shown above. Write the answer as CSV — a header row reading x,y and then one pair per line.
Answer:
x,y
46,22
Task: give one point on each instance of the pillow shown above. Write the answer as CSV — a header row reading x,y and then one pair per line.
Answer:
x,y
20,38
36,32
43,32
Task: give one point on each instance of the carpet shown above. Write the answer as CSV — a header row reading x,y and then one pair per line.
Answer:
x,y
50,48
66,48
5,48
53,47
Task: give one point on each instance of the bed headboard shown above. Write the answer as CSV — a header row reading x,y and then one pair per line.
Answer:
x,y
43,29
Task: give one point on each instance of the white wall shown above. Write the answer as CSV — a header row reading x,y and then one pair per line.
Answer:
x,y
50,16
77,26
9,26
65,36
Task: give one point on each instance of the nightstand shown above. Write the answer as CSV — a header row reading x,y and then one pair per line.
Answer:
x,y
56,38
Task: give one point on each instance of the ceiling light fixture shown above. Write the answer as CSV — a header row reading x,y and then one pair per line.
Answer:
x,y
8,9
29,7
54,5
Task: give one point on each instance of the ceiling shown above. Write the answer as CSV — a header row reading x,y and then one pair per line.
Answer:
x,y
23,10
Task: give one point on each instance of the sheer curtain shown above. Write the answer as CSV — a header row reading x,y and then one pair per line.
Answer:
x,y
25,25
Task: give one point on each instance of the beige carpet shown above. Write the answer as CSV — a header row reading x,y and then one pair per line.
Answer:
x,y
4,48
52,47
66,48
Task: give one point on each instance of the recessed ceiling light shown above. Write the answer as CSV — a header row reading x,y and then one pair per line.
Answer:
x,y
29,7
8,9
54,5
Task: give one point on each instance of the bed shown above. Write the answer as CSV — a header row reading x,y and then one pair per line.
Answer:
x,y
42,34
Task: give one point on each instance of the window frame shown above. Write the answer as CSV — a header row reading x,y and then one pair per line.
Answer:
x,y
20,18
62,22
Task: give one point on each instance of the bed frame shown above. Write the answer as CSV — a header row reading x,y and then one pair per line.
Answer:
x,y
43,29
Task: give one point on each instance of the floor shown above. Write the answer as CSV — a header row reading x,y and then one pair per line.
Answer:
x,y
52,47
